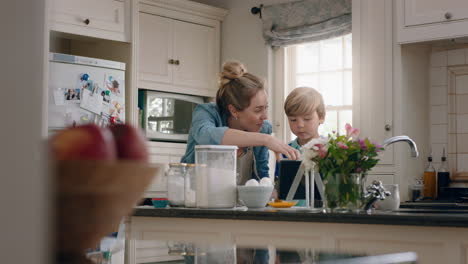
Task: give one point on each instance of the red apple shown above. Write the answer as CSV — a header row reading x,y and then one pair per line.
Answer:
x,y
84,142
130,142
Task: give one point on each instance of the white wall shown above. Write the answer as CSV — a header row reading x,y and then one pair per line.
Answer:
x,y
448,73
241,35
24,185
414,107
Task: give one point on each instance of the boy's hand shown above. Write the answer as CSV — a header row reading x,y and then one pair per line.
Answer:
x,y
279,148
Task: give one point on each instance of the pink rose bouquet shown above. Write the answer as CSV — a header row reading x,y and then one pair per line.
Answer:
x,y
342,154
343,161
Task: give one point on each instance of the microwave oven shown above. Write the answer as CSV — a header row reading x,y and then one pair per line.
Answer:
x,y
166,116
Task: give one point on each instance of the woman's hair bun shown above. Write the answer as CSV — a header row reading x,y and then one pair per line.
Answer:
x,y
233,70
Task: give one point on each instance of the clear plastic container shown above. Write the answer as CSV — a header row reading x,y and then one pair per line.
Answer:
x,y
176,183
216,177
190,186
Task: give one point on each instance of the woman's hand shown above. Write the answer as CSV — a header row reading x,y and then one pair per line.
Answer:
x,y
279,148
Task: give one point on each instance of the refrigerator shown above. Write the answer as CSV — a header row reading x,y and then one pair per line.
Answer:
x,y
84,90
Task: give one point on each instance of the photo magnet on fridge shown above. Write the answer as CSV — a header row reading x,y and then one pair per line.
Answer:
x,y
72,96
114,85
84,82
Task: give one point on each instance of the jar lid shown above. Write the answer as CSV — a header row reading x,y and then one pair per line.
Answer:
x,y
215,147
175,164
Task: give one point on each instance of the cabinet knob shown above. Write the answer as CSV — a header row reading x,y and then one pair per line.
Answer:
x,y
86,21
171,61
388,127
176,62
448,15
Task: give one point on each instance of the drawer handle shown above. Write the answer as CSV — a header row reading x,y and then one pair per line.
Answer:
x,y
171,61
86,21
176,62
448,15
388,127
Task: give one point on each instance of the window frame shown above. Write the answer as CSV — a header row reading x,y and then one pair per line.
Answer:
x,y
285,80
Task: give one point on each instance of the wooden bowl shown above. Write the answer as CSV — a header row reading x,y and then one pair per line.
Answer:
x,y
92,197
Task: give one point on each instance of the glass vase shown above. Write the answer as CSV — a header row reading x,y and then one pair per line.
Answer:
x,y
344,192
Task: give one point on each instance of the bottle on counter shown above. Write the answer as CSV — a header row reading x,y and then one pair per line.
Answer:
x,y
443,177
429,180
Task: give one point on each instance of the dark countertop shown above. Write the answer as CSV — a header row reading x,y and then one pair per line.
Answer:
x,y
404,216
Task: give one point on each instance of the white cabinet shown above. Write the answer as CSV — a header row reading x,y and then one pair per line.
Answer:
x,y
106,19
155,48
178,52
423,20
373,73
431,244
162,153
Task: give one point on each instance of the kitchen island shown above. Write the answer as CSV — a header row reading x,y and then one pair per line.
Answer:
x,y
435,237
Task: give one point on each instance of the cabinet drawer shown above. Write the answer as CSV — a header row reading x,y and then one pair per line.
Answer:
x,y
426,20
420,12
84,17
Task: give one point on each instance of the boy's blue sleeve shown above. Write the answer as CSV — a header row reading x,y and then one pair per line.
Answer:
x,y
261,154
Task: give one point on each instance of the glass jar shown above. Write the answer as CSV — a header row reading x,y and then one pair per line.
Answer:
x,y
190,186
175,184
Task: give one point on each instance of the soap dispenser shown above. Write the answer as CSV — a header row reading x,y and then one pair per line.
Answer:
x,y
443,177
429,180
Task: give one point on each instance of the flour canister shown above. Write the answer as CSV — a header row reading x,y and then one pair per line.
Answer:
x,y
216,176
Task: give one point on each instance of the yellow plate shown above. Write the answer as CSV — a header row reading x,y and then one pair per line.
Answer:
x,y
282,204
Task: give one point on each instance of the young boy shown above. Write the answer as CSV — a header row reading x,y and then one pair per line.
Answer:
x,y
305,110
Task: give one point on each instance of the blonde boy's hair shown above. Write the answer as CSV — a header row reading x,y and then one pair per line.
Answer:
x,y
304,100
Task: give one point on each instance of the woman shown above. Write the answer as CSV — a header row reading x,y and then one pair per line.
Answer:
x,y
238,118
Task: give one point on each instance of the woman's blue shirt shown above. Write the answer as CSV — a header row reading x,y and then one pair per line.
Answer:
x,y
208,128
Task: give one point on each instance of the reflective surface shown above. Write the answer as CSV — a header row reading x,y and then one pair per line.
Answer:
x,y
198,252
434,205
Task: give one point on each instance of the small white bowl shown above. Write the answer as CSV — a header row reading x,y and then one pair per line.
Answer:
x,y
254,196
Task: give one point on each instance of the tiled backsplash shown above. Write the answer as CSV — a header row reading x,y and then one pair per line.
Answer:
x,y
449,107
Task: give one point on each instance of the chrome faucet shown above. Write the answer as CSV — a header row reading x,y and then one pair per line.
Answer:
x,y
412,144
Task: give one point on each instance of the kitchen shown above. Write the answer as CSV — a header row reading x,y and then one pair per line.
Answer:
x,y
398,78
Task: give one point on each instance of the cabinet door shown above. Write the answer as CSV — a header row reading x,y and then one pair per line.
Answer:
x,y
373,71
155,50
426,20
194,49
419,12
98,14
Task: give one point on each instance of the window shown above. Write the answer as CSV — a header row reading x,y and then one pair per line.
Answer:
x,y
325,65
